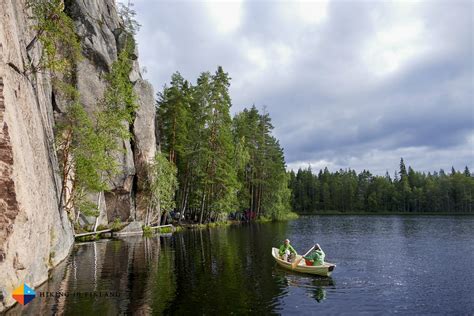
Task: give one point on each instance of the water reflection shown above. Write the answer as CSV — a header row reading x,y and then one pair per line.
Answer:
x,y
231,270
223,270
199,271
87,282
315,286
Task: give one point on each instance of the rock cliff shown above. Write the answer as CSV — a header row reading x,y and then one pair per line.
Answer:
x,y
35,233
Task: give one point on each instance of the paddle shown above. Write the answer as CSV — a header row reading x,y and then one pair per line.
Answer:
x,y
294,264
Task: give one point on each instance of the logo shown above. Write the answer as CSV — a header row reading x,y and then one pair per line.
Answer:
x,y
23,294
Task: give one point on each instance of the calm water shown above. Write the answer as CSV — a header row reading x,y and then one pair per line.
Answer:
x,y
385,264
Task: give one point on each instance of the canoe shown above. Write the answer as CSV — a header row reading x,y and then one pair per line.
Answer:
x,y
323,270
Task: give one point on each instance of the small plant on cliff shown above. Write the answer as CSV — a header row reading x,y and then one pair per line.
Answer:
x,y
117,225
160,188
127,14
120,101
55,31
83,161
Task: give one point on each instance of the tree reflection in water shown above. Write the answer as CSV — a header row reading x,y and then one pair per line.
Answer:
x,y
315,285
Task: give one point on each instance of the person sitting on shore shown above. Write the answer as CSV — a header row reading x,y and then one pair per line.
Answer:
x,y
287,252
316,257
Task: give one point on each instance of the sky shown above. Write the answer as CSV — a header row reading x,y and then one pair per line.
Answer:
x,y
348,84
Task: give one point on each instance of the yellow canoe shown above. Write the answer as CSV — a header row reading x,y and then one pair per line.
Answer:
x,y
323,270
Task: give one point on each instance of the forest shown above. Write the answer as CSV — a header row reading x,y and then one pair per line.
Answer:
x,y
408,191
223,164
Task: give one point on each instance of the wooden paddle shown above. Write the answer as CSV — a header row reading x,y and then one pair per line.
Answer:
x,y
294,264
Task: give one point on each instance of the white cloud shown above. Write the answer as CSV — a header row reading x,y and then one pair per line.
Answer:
x,y
314,164
312,11
257,57
399,37
393,47
226,15
379,161
302,13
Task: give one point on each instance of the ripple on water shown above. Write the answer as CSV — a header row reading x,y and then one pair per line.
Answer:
x,y
385,264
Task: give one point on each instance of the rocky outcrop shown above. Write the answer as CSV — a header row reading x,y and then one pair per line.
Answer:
x,y
35,233
98,26
145,141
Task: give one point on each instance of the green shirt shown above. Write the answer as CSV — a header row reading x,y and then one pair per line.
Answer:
x,y
317,256
284,248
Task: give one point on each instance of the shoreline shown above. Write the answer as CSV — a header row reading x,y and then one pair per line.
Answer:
x,y
151,231
147,231
385,213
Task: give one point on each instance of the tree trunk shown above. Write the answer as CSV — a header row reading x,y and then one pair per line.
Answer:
x,y
158,208
251,198
202,205
259,200
98,208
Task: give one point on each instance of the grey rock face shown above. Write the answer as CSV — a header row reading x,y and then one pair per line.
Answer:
x,y
145,141
95,23
98,25
35,233
133,227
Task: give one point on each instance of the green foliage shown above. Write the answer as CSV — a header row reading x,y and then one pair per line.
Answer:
x,y
165,230
409,191
264,219
52,254
66,90
127,14
86,160
222,174
196,134
55,32
119,102
263,173
101,227
160,188
223,165
89,142
117,225
174,117
178,228
147,231
165,184
86,141
88,238
291,215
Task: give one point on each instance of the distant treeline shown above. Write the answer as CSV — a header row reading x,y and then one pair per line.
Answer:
x,y
407,191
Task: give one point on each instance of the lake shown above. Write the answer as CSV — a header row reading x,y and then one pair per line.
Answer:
x,y
385,264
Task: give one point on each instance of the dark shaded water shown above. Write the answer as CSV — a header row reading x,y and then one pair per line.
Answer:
x,y
385,264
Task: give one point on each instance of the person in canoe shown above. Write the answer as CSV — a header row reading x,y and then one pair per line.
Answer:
x,y
316,257
287,252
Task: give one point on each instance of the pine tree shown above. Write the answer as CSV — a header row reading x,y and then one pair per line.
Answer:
x,y
223,185
404,186
173,116
467,173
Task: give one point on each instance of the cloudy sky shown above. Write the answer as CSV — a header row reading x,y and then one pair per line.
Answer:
x,y
354,84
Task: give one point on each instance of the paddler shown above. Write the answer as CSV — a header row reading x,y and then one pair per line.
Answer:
x,y
316,257
287,252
